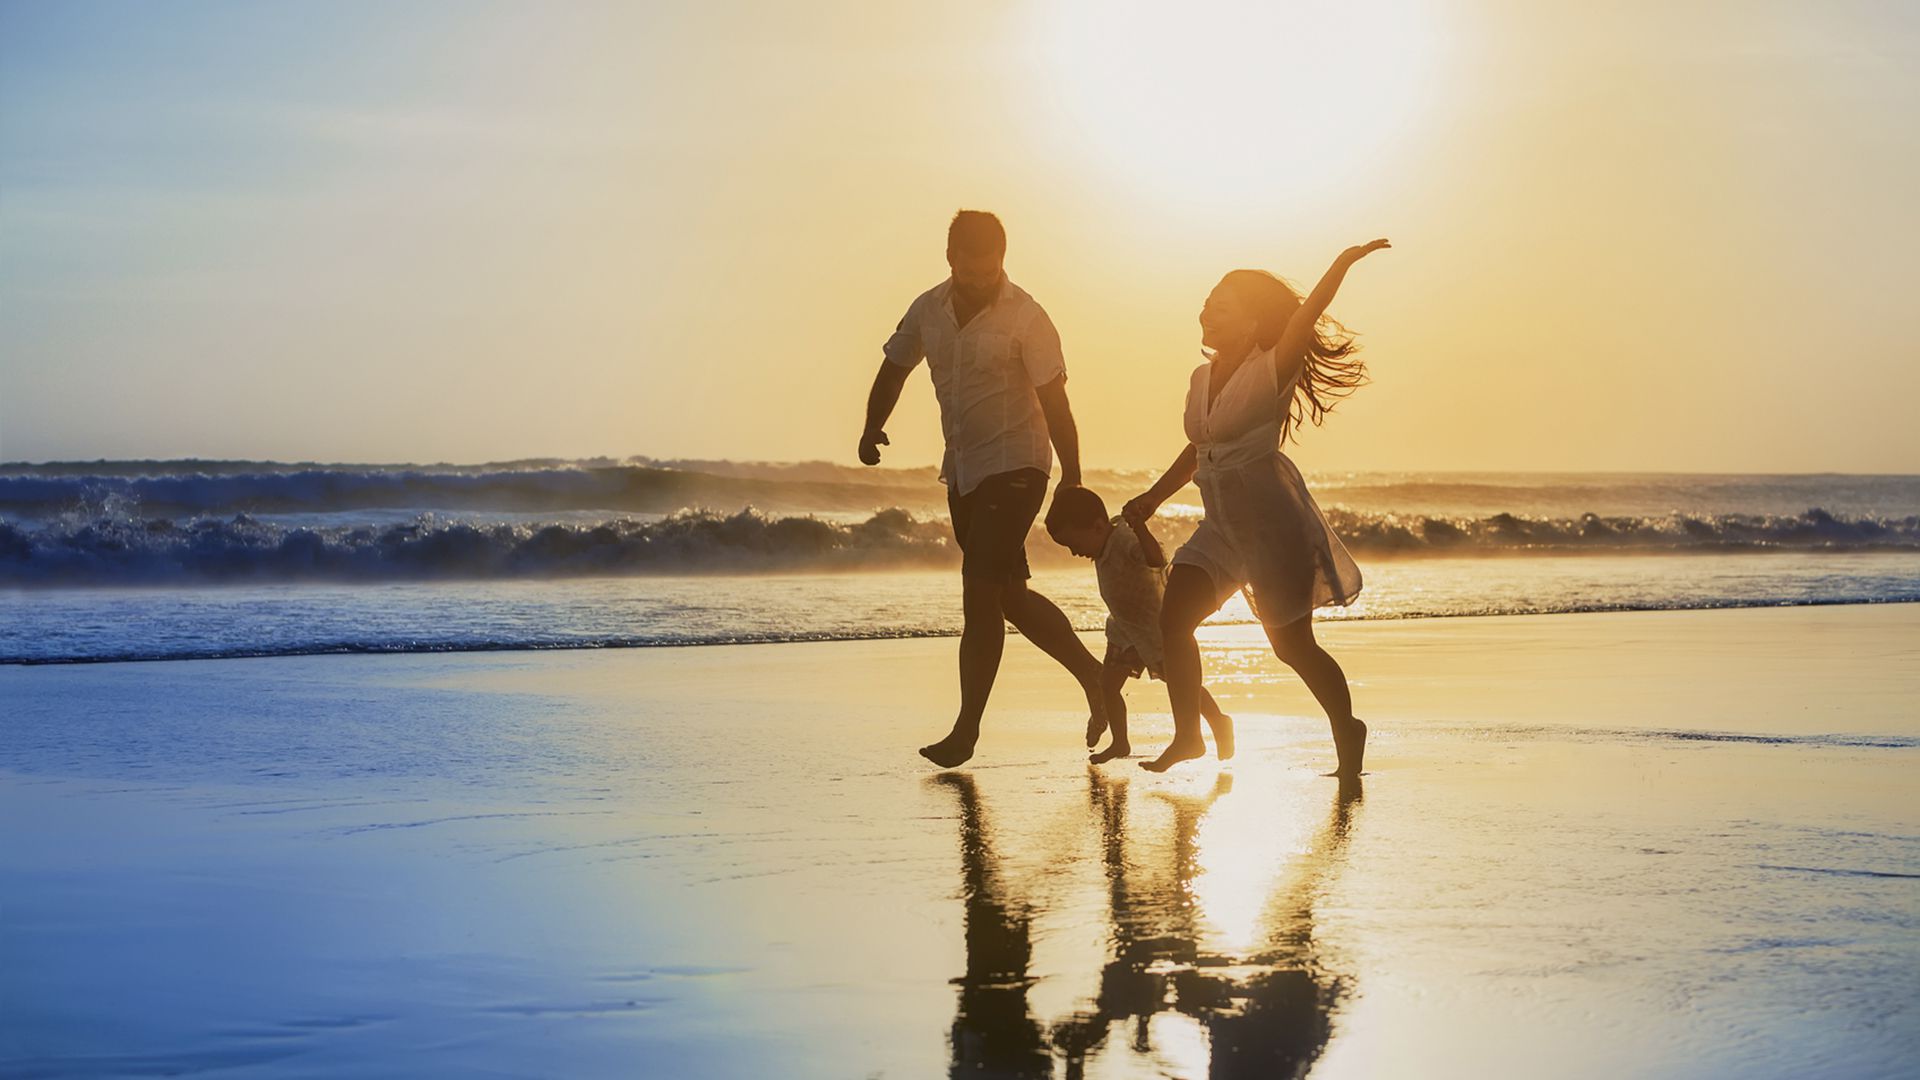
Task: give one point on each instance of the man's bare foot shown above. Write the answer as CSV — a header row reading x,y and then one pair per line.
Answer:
x,y
1096,712
1350,745
1222,726
1118,748
950,752
1177,751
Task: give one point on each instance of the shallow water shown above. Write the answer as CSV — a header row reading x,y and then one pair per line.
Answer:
x,y
725,862
68,625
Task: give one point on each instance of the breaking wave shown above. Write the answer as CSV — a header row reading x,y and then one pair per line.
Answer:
x,y
110,543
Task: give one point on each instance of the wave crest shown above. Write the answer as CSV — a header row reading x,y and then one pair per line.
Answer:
x,y
109,543
119,549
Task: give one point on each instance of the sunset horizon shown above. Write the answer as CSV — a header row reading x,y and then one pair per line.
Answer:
x,y
1033,540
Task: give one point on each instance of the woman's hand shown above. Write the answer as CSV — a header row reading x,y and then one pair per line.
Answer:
x,y
1140,509
1355,254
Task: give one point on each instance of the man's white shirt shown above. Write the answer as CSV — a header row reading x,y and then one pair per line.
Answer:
x,y
984,376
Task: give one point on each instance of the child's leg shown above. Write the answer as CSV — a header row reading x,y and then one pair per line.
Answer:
x,y
1220,723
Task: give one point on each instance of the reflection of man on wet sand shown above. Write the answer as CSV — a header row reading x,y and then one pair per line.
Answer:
x,y
994,1034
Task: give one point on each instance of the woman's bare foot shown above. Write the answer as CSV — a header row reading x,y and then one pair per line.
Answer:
x,y
1222,727
1350,745
1118,748
1182,748
950,752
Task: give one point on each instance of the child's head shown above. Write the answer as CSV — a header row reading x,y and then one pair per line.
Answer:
x,y
1078,521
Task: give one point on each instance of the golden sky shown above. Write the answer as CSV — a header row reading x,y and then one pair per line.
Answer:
x,y
1630,236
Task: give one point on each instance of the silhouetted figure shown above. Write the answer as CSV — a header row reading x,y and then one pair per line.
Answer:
x,y
1270,366
1273,1024
994,1034
1132,571
1001,381
1283,1020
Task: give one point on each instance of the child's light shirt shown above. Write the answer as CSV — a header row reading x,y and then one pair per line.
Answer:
x,y
1133,592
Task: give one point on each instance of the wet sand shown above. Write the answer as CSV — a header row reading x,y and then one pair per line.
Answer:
x,y
1660,844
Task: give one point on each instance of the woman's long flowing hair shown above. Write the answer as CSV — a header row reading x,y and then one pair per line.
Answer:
x,y
1331,370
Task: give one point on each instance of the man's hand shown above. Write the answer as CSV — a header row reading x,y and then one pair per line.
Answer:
x,y
871,441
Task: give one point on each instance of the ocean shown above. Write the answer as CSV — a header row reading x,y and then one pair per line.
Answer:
x,y
157,560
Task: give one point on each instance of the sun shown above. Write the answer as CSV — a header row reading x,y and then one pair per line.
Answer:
x,y
1226,101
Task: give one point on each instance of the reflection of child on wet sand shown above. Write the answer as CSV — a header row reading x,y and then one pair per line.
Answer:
x,y
1133,578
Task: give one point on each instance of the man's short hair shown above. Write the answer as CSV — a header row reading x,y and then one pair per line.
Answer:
x,y
1074,508
978,225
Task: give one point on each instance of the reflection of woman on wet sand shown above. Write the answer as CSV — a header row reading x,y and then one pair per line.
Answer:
x,y
1270,1025
1270,367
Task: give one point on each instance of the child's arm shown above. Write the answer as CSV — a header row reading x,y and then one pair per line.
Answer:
x,y
1298,335
1150,549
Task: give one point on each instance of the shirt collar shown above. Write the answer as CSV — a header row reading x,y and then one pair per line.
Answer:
x,y
999,294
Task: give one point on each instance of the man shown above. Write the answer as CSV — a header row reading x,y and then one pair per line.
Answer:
x,y
1002,387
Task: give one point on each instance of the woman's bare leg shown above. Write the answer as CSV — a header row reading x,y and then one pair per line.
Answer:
x,y
1294,644
1190,598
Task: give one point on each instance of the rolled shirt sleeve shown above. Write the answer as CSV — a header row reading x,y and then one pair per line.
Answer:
x,y
1040,349
906,348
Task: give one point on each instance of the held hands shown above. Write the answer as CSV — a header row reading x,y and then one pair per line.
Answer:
x,y
1355,254
871,441
1140,509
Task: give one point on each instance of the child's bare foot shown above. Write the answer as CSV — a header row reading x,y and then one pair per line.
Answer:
x,y
1222,726
1182,748
1096,727
1350,745
950,752
1118,748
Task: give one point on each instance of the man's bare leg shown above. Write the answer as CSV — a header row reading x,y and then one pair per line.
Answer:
x,y
983,638
1044,624
1114,674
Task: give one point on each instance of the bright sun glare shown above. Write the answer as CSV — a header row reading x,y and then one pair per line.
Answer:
x,y
1220,101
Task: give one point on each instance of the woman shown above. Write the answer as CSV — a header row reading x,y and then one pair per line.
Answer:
x,y
1271,365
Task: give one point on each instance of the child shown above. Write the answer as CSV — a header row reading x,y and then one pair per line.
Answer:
x,y
1133,577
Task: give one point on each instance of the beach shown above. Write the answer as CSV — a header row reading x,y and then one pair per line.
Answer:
x,y
1678,843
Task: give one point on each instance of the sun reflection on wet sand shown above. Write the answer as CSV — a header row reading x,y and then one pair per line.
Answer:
x,y
1211,964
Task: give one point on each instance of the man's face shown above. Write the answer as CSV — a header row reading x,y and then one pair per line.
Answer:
x,y
976,266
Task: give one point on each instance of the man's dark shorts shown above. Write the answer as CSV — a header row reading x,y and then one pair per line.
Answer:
x,y
991,523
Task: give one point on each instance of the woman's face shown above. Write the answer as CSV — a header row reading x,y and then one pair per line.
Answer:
x,y
1225,322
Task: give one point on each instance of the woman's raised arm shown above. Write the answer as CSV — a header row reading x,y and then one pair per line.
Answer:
x,y
1298,335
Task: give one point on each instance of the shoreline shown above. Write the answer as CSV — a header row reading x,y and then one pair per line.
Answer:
x,y
615,645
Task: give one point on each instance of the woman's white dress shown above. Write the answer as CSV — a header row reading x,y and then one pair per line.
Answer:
x,y
1263,531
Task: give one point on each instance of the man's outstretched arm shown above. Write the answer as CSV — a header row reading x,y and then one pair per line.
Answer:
x,y
1061,429
880,402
